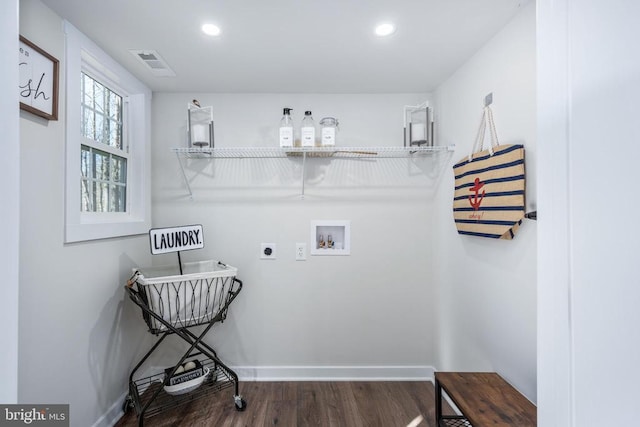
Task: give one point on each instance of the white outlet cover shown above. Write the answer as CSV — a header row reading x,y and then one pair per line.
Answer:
x,y
301,251
268,251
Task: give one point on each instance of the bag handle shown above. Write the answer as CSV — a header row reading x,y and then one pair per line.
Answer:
x,y
492,127
487,116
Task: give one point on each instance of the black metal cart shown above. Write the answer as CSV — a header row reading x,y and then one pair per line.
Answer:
x,y
174,301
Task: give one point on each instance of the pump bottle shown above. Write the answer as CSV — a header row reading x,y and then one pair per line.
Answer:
x,y
286,129
308,131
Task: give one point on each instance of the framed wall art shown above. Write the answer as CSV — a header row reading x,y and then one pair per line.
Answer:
x,y
38,87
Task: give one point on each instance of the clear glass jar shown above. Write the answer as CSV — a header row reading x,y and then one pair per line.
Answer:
x,y
329,128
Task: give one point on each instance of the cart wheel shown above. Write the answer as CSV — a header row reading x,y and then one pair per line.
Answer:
x,y
127,404
241,404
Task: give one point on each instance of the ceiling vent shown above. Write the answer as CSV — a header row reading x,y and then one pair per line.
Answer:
x,y
154,62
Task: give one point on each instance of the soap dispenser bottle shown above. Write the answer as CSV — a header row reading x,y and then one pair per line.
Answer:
x,y
286,129
308,131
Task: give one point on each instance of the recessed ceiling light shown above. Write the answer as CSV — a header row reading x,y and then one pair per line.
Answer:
x,y
385,29
211,30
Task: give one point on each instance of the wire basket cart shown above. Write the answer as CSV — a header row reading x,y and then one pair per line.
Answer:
x,y
174,300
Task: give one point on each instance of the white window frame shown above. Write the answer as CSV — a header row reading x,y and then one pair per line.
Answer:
x,y
84,55
123,152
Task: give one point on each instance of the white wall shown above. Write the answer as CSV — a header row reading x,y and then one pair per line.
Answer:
x,y
590,71
373,308
387,306
555,407
486,299
78,335
10,206
71,307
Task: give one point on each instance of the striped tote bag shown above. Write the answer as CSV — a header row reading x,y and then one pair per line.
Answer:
x,y
489,197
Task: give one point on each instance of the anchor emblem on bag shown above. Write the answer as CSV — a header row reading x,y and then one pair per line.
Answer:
x,y
476,201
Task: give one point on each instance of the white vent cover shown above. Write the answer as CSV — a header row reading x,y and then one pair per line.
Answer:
x,y
154,62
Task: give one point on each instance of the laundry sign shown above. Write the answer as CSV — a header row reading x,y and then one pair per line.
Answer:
x,y
174,239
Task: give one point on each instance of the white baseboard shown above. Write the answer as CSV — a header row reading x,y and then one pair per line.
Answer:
x,y
334,373
113,414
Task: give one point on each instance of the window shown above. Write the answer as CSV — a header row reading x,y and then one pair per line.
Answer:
x,y
107,148
103,161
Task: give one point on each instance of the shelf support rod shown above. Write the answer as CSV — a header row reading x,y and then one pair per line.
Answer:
x,y
184,176
304,160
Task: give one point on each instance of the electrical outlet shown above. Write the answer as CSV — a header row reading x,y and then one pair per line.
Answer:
x,y
301,251
268,251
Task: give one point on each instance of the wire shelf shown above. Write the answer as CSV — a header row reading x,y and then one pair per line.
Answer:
x,y
304,153
454,421
334,152
143,390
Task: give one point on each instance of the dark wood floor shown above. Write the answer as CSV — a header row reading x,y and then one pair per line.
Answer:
x,y
343,404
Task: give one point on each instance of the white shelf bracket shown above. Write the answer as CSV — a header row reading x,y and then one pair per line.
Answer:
x,y
184,176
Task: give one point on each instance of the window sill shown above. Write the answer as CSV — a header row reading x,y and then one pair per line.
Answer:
x,y
105,230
